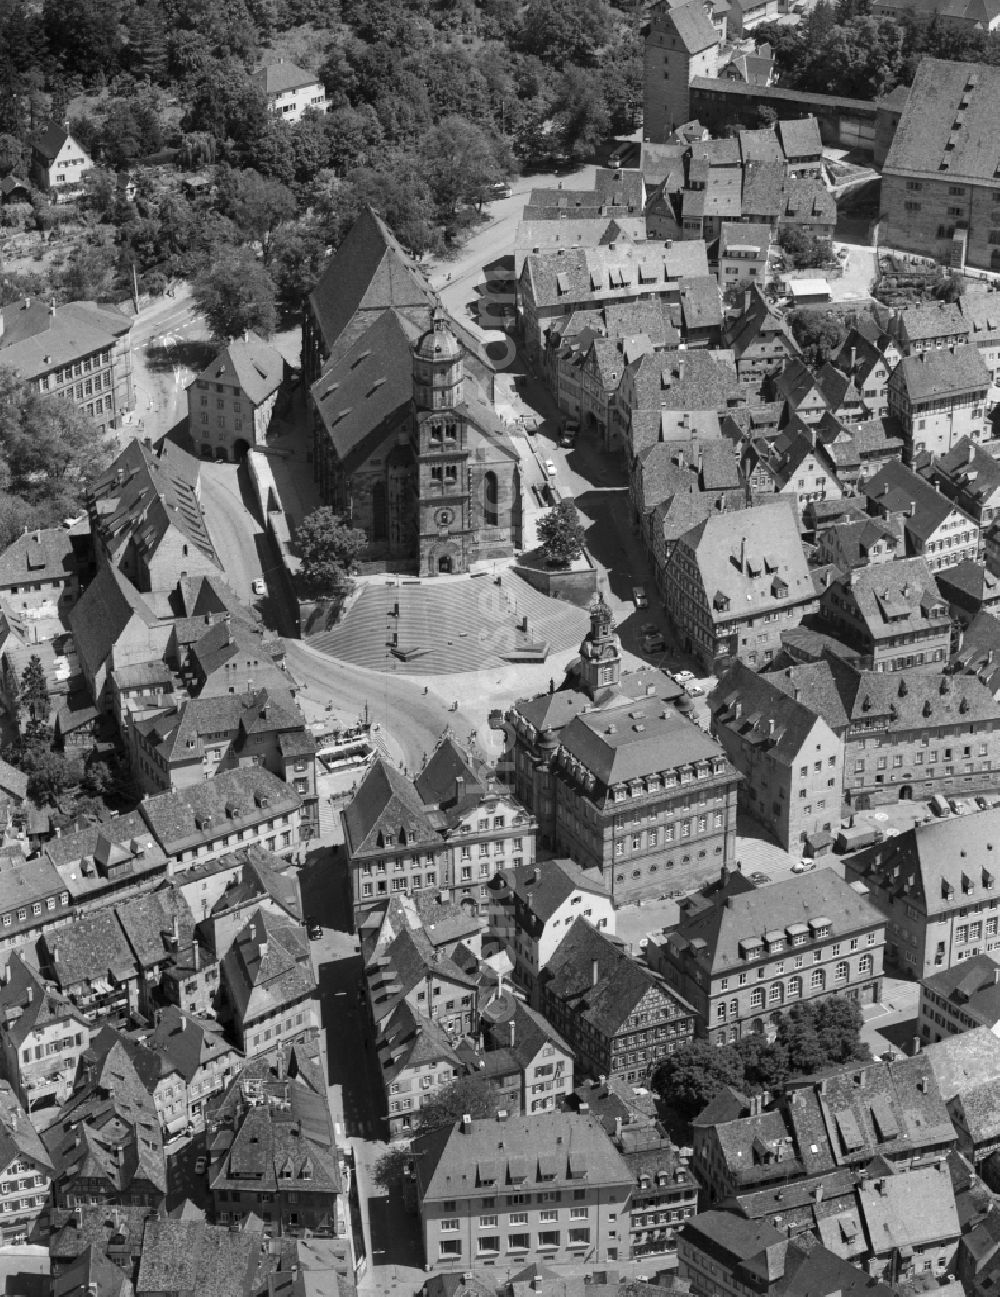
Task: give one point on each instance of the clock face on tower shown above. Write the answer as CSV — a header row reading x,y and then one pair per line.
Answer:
x,y
443,517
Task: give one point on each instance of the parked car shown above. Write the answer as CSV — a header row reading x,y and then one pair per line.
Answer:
x,y
982,803
496,719
569,432
759,878
694,689
682,677
550,467
803,866
653,642
617,156
940,807
258,585
639,597
501,189
199,1166
314,929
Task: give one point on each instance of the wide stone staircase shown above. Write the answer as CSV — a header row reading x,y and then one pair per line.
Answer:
x,y
444,625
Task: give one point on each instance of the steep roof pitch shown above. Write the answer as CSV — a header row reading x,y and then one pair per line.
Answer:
x,y
275,78
251,363
266,967
45,554
622,982
232,799
800,138
761,714
88,949
692,26
544,887
366,389
104,611
386,808
369,273
896,487
890,597
752,558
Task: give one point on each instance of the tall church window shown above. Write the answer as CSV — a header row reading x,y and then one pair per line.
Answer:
x,y
436,434
491,512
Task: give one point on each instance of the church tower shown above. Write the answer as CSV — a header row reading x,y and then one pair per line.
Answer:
x,y
440,440
680,43
600,652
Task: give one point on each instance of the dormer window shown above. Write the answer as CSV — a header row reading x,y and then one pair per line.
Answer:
x,y
751,948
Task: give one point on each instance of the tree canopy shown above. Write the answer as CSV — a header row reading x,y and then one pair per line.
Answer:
x,y
561,534
327,547
235,294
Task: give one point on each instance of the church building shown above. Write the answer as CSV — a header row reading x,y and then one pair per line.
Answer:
x,y
407,444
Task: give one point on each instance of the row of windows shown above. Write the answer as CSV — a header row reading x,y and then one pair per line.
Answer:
x,y
489,1244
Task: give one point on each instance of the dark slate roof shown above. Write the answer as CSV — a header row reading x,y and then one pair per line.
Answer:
x,y
772,721
89,948
386,806
896,487
250,363
274,79
621,984
545,886
45,554
105,609
368,274
800,138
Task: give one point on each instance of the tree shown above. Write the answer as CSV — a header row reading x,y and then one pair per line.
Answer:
x,y
12,155
298,254
694,1075
582,112
387,1172
83,36
561,533
461,162
471,1096
563,32
235,293
818,335
257,206
34,692
48,447
327,547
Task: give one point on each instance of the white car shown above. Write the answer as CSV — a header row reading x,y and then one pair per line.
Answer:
x,y
803,866
258,586
550,467
682,677
694,689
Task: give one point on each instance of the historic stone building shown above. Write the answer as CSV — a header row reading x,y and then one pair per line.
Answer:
x,y
407,444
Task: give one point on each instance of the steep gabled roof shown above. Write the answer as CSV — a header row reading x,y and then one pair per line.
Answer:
x,y
368,274
386,806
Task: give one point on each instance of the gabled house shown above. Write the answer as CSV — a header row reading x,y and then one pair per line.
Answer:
x,y
544,1060
26,1170
113,626
290,91
619,1017
106,1146
801,145
939,397
935,529
232,401
801,392
417,1060
58,163
531,908
42,1035
92,965
795,463
268,988
760,340
970,476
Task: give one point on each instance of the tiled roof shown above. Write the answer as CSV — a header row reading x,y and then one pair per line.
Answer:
x,y
45,554
895,597
271,1149
938,373
408,1040
187,1041
773,721
701,302
252,364
275,79
800,138
593,274
29,1003
896,487
909,1209
691,380
926,138
18,1137
186,1257
751,561
967,468
88,949
622,981
34,341
544,887
230,801
763,189
727,1235
926,321
368,274
760,146
884,1109
385,807
964,1061
692,26
267,968
724,927
23,883
744,235
105,609
148,923
554,1149
142,495
632,740
940,865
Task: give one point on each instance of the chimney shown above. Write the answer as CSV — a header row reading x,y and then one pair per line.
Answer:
x,y
510,1029
279,1063
743,552
175,929
819,1193
459,787
52,307
770,728
747,299
854,360
595,971
196,956
618,1128
795,692
466,1122
972,452
55,954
